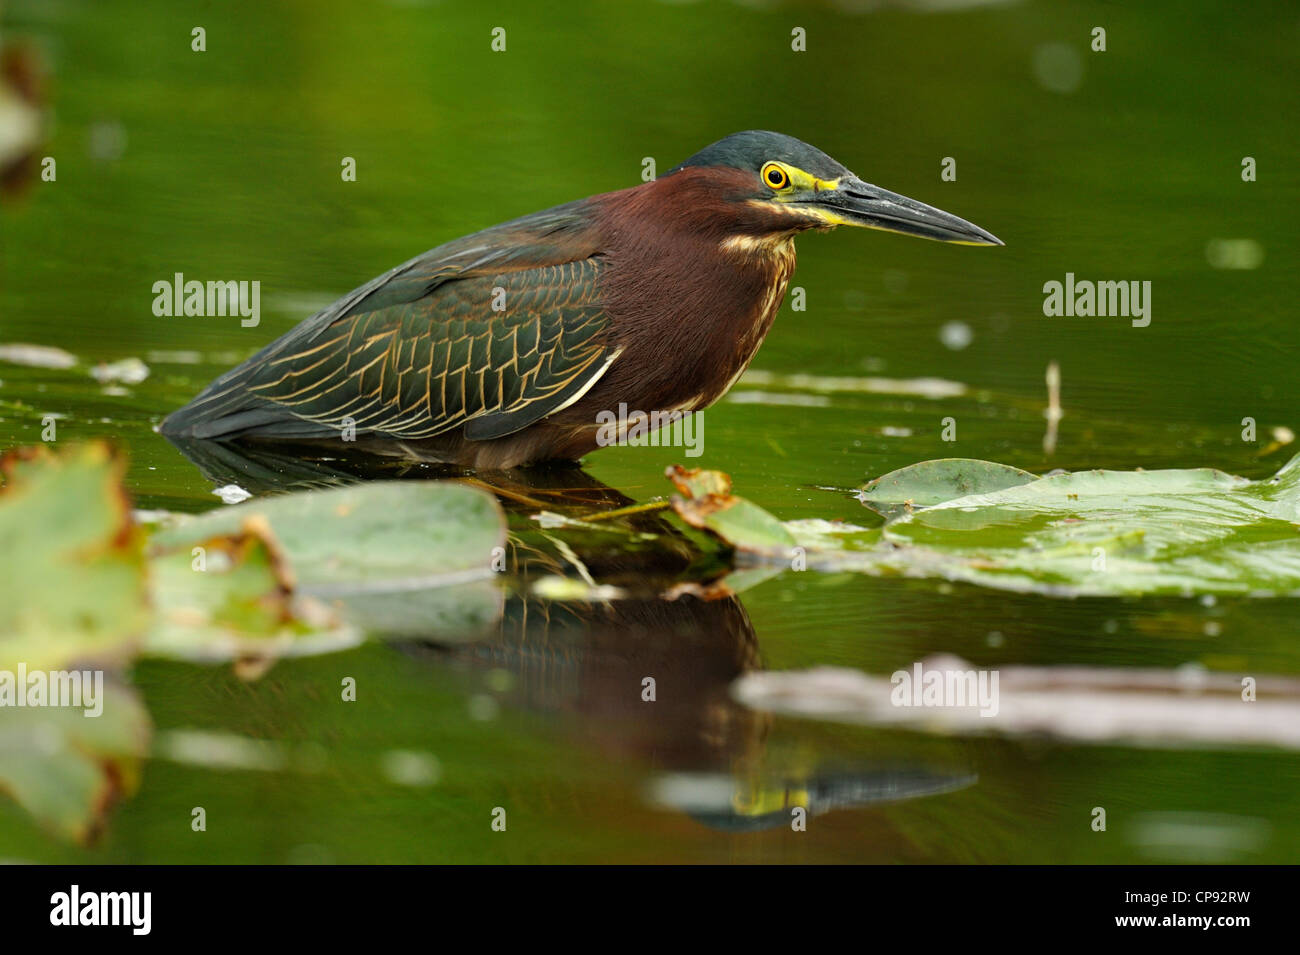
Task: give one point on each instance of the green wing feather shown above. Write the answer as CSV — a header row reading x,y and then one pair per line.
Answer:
x,y
417,370
491,333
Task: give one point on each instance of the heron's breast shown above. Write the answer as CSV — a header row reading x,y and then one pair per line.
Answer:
x,y
774,259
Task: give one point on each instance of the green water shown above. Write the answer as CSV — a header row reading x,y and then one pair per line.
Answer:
x,y
226,165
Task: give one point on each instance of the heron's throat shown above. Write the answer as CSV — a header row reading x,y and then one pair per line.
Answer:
x,y
773,245
769,260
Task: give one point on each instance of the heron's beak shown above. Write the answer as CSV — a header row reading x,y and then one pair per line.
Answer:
x,y
857,203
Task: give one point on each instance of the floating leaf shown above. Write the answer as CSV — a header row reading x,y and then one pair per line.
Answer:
x,y
394,535
1090,533
447,613
387,553
231,596
706,501
67,769
933,482
72,582
1114,532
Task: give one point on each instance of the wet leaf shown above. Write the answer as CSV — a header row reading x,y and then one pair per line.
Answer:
x,y
450,613
72,581
706,502
231,596
403,558
933,482
1182,532
383,535
1114,532
68,769
733,583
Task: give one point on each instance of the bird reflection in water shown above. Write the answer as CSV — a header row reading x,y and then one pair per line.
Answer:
x,y
586,663
589,663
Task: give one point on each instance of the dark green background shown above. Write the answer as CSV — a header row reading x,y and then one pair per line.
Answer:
x,y
231,171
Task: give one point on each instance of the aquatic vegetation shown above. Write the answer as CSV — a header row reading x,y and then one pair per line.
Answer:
x,y
1090,533
85,585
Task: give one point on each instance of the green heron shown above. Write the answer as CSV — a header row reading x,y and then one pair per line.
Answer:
x,y
500,349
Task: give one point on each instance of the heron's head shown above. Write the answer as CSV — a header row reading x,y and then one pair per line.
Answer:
x,y
775,184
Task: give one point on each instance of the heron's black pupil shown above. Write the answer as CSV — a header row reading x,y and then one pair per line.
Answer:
x,y
774,176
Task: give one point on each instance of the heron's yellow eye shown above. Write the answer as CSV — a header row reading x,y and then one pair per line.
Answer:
x,y
775,176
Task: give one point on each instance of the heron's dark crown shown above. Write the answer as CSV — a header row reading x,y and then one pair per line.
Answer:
x,y
751,149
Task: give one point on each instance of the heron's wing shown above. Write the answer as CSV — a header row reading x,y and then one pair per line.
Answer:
x,y
491,332
449,359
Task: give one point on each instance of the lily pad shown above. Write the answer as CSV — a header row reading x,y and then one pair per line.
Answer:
x,y
68,769
1121,533
382,535
405,558
231,596
72,579
706,502
462,612
933,482
1115,532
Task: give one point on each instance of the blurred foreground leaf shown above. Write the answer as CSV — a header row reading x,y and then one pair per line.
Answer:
x,y
382,535
72,581
407,558
231,596
68,769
